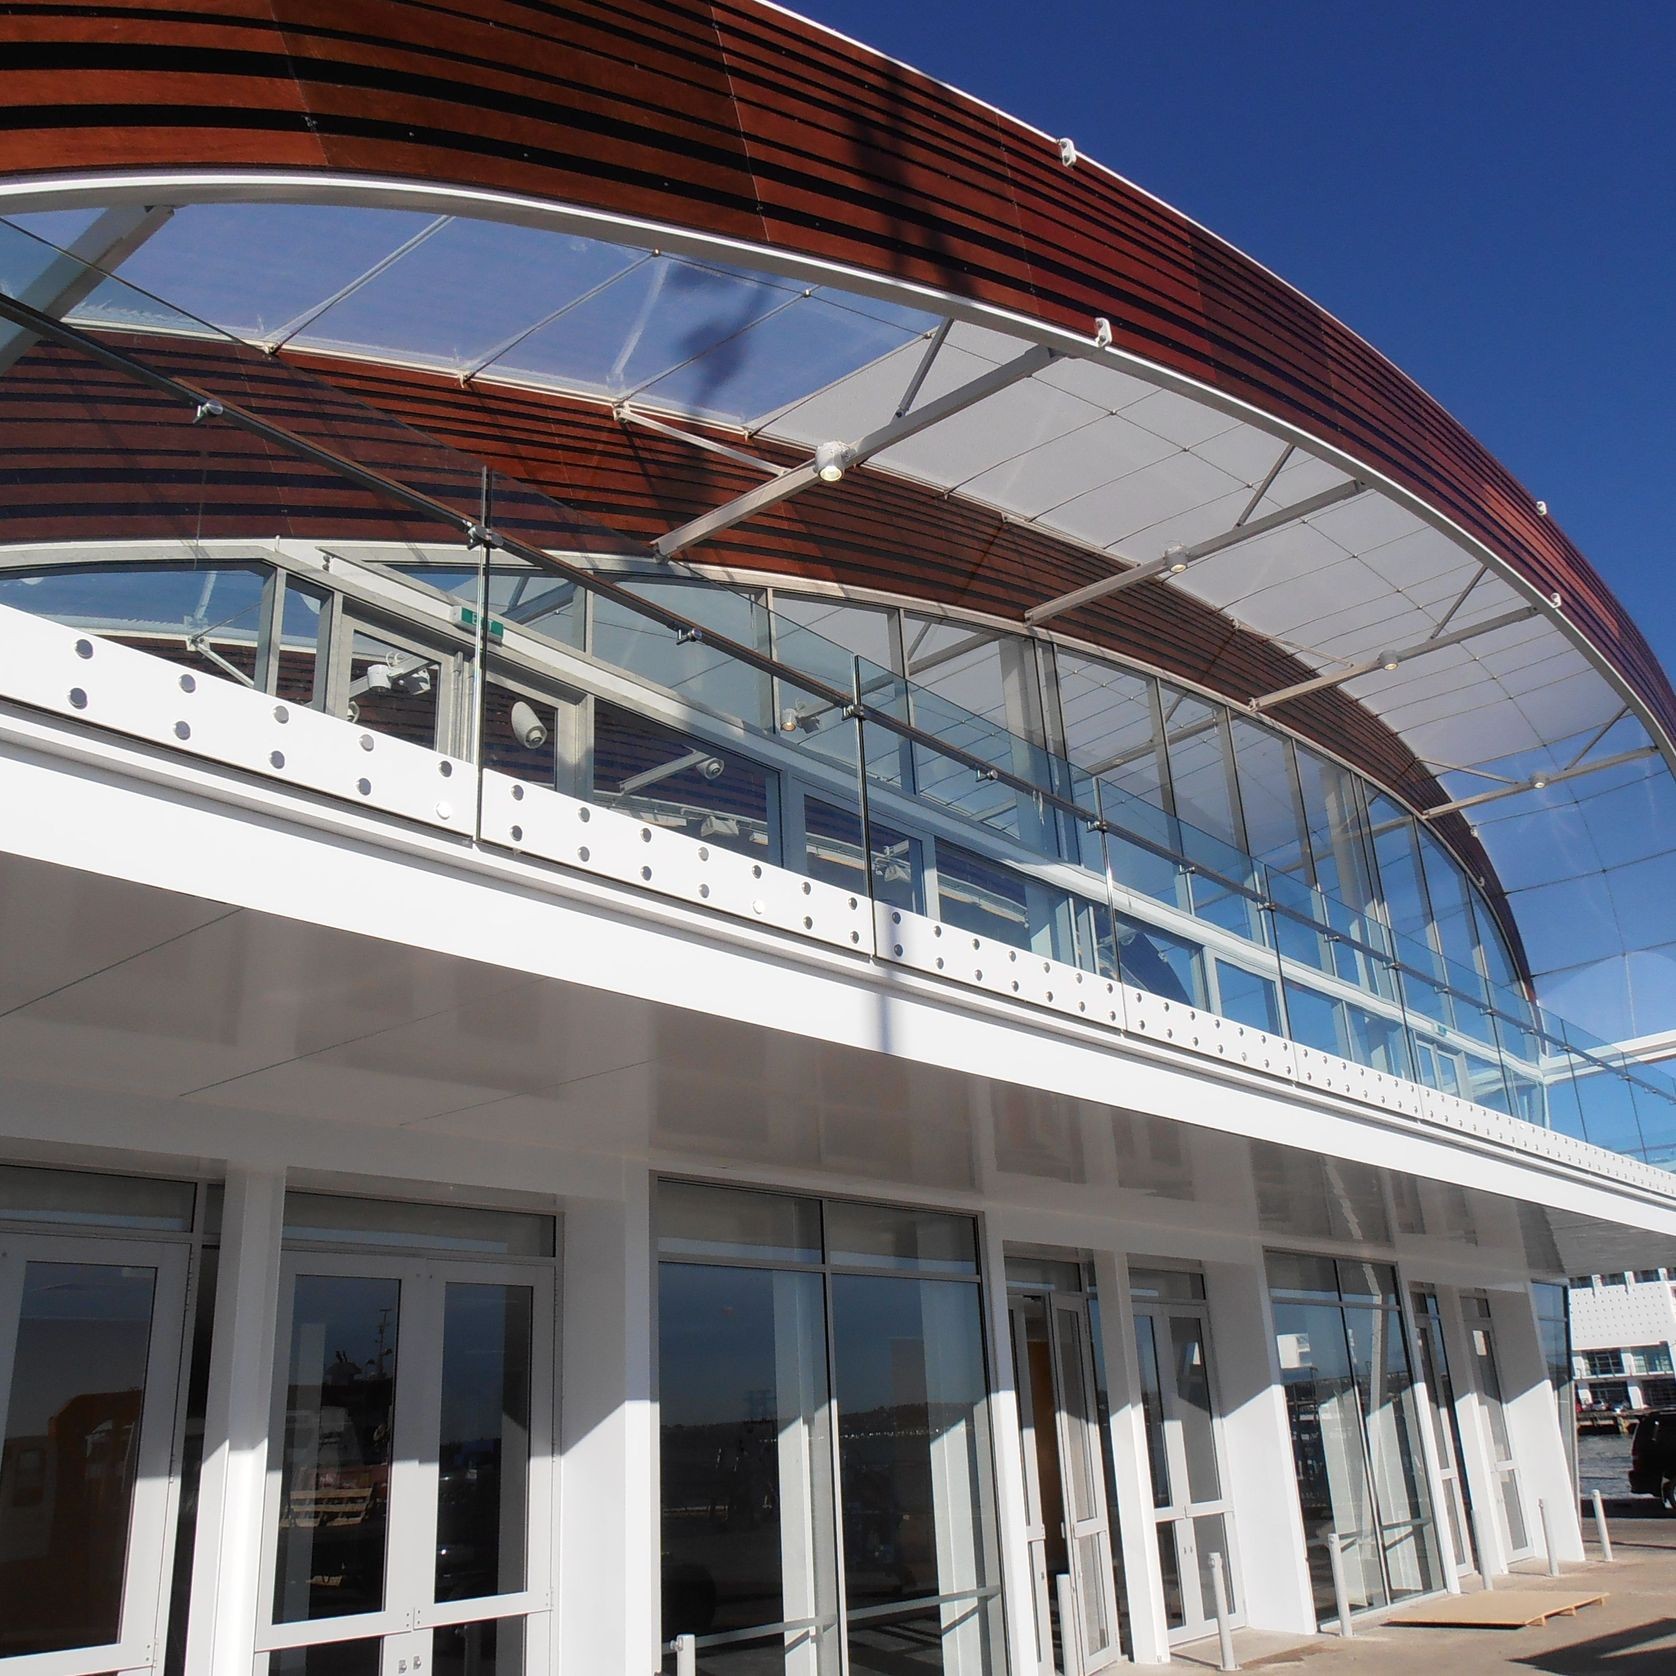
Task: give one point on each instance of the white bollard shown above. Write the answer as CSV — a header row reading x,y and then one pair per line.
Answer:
x,y
686,1655
1600,1528
1224,1635
1335,1559
1548,1539
1070,1643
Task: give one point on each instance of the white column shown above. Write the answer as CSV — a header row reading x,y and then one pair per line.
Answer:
x,y
1268,1533
1017,1585
1136,1530
607,1594
1533,1425
227,1545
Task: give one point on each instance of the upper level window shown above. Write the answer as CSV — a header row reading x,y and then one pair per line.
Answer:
x,y
1201,774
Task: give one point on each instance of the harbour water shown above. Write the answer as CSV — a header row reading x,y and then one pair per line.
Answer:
x,y
1603,1464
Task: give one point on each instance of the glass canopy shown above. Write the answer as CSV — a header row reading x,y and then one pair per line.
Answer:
x,y
1511,717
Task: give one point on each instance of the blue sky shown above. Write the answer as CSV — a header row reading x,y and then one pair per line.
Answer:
x,y
1484,189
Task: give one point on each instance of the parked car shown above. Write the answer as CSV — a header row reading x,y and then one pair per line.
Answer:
x,y
1652,1457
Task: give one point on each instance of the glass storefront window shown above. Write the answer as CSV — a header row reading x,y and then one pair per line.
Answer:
x,y
754,1538
1355,1428
68,1458
885,1237
698,1221
338,1403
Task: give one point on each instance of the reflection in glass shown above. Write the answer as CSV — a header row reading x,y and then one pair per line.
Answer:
x,y
1210,1536
70,1454
696,1220
1169,1565
392,690
891,1237
692,667
483,1448
494,1648
337,1382
982,896
1328,1453
1193,1408
1152,1408
333,1658
833,854
1247,998
1386,1389
209,619
1155,961
915,1457
683,784
748,1525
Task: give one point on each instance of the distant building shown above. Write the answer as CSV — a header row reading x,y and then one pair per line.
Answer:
x,y
1623,1339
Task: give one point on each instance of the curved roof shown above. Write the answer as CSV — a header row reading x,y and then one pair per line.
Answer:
x,y
817,209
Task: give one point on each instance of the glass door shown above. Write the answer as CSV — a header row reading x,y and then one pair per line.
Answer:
x,y
1353,1408
1087,1517
1068,1529
1445,1422
1481,1336
90,1346
1193,1514
408,1470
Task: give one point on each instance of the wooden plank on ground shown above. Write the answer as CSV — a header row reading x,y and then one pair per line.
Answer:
x,y
1497,1609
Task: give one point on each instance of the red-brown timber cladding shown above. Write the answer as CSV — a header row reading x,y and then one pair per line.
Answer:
x,y
87,454
730,118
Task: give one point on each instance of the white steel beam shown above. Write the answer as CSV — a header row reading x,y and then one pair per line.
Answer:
x,y
898,428
630,416
73,274
1539,782
1392,660
1176,559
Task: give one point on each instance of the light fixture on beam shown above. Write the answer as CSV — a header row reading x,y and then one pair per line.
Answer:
x,y
831,458
1176,558
1540,782
1390,661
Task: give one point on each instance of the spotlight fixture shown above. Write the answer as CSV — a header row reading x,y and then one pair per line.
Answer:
x,y
1177,555
1389,661
830,461
527,726
1540,783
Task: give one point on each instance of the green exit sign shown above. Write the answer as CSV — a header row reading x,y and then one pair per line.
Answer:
x,y
466,617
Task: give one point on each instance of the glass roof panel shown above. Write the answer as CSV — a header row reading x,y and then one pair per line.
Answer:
x,y
786,356
468,288
252,269
662,315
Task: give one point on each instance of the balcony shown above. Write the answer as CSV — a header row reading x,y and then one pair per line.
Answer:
x,y
451,649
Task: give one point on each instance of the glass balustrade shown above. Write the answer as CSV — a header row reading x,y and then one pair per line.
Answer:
x,y
423,596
